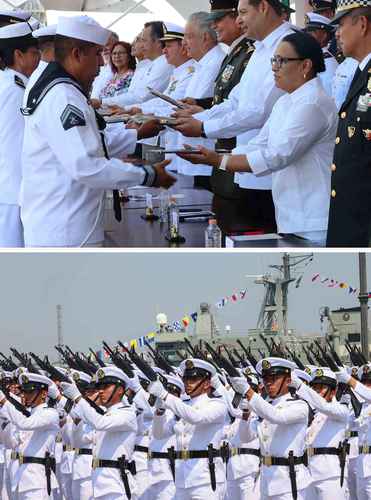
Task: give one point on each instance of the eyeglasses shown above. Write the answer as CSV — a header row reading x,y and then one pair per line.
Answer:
x,y
278,61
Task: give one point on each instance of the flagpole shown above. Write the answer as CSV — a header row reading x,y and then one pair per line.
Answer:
x,y
363,300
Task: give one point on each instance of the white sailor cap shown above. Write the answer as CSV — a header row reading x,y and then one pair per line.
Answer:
x,y
15,34
195,367
364,372
14,16
45,31
323,375
4,375
172,32
172,380
80,377
34,23
32,381
274,366
83,28
314,21
303,375
110,375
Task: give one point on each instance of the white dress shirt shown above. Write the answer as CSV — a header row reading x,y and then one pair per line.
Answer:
x,y
156,75
342,79
249,104
201,85
296,146
105,75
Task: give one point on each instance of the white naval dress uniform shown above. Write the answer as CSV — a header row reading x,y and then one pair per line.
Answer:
x,y
342,79
281,428
201,86
37,433
326,431
115,436
162,482
353,427
201,422
363,470
67,458
65,172
33,79
327,76
296,146
242,470
10,439
83,437
156,75
249,104
12,86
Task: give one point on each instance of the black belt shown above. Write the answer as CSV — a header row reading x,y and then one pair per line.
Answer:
x,y
341,451
353,434
158,454
244,451
143,449
83,451
123,465
48,462
322,451
187,454
268,461
364,450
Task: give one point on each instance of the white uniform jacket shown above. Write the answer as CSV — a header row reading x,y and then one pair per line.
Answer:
x,y
37,432
327,76
83,437
156,75
281,428
33,79
65,171
296,146
115,436
196,424
12,86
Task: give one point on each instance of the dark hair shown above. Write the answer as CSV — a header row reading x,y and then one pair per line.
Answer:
x,y
362,11
63,46
307,47
7,53
157,30
275,4
131,59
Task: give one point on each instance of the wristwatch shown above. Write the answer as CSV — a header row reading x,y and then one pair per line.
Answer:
x,y
203,131
224,163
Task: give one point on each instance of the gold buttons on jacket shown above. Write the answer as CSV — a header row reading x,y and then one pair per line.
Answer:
x,y
343,114
333,167
337,140
333,193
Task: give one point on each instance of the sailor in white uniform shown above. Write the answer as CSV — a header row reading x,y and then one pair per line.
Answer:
x,y
35,478
66,165
198,425
19,53
281,430
116,430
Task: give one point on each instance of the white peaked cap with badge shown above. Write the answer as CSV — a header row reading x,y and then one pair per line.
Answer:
x,y
18,30
303,375
323,371
15,15
171,379
191,363
29,378
314,18
45,31
172,32
267,364
111,371
83,28
77,376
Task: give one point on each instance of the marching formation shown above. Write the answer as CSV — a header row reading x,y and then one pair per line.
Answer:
x,y
271,118
218,426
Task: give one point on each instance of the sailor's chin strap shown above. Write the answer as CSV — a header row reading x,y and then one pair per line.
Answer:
x,y
197,386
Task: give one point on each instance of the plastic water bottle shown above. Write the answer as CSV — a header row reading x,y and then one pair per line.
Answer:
x,y
213,235
164,203
173,219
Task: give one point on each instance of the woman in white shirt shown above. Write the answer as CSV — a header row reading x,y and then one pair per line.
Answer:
x,y
296,143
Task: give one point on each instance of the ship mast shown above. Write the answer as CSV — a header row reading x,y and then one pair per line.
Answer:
x,y
363,300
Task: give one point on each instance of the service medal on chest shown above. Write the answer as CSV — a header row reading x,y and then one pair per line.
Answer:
x,y
227,73
351,131
367,134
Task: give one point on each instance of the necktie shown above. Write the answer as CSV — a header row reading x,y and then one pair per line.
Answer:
x,y
355,77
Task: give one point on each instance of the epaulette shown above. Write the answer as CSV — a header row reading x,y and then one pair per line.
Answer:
x,y
18,81
327,55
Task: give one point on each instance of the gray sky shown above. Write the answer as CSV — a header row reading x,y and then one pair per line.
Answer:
x,y
117,295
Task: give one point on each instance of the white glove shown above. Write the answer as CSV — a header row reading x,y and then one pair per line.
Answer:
x,y
157,389
240,385
295,381
215,381
70,391
343,376
134,384
159,404
2,395
53,391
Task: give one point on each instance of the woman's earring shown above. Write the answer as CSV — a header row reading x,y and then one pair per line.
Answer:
x,y
305,75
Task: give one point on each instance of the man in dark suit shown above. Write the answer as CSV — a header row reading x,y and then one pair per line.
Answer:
x,y
350,208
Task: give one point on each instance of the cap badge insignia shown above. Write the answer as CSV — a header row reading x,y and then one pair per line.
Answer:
x,y
76,376
351,131
189,364
248,371
100,374
308,370
319,373
367,134
24,379
265,364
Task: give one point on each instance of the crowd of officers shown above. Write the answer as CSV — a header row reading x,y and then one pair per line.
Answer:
x,y
196,431
280,118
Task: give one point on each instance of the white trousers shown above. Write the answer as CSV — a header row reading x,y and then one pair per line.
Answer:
x,y
363,488
39,494
82,489
11,229
163,490
66,485
328,489
302,495
203,492
245,488
352,478
143,483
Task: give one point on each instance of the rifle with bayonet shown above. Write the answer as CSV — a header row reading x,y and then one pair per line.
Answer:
x,y
10,363
99,361
161,362
190,348
295,358
248,354
242,361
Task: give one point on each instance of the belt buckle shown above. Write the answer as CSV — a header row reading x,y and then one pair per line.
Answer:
x,y
184,454
13,455
267,461
95,463
365,448
20,458
149,455
234,452
310,452
77,451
